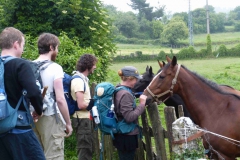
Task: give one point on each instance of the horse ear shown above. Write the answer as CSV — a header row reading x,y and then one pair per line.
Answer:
x,y
150,70
147,68
174,61
168,59
160,64
163,63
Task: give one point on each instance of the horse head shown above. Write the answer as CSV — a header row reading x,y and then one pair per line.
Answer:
x,y
141,84
162,85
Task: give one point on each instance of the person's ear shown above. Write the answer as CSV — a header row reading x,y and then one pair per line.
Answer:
x,y
51,48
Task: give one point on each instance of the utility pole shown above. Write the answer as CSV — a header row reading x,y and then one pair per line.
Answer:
x,y
190,26
208,29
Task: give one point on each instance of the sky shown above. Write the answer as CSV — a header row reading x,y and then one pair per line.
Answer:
x,y
172,6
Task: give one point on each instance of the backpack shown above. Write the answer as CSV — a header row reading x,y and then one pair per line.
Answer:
x,y
72,104
103,100
37,68
48,97
8,115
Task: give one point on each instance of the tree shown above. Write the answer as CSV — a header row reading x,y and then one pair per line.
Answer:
x,y
127,24
199,17
237,12
209,45
144,10
157,28
86,20
184,15
237,26
175,30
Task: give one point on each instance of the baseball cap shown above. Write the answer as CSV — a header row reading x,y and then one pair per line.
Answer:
x,y
130,71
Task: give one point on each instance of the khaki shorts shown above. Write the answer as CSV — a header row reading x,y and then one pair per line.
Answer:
x,y
51,136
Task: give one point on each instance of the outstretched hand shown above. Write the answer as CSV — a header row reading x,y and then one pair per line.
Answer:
x,y
142,99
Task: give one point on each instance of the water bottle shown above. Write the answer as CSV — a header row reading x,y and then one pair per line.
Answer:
x,y
110,113
95,115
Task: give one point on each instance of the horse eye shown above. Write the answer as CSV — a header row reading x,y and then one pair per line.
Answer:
x,y
161,77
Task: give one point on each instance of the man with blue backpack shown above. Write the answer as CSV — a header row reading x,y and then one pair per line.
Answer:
x,y
18,84
80,92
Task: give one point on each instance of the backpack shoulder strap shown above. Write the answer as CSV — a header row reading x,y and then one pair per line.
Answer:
x,y
40,64
77,76
6,59
123,88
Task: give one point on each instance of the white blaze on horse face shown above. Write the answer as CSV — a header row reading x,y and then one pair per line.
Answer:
x,y
154,78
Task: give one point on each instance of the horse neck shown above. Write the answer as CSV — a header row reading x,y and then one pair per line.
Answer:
x,y
199,97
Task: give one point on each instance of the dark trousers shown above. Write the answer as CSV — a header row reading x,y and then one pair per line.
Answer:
x,y
84,136
126,155
24,146
126,146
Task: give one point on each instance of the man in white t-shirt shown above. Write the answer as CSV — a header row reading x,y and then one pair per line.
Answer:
x,y
81,122
50,129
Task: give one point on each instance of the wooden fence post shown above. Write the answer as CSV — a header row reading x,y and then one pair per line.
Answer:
x,y
158,131
180,111
108,148
170,117
140,154
147,136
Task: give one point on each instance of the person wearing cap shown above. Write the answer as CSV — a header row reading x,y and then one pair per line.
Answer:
x,y
125,108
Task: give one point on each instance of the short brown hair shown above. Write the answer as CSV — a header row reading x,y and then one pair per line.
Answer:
x,y
45,40
10,35
86,61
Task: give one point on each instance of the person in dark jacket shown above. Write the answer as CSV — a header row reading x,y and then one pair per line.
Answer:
x,y
125,108
20,142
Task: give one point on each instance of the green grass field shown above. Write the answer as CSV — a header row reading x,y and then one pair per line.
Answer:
x,y
219,70
219,38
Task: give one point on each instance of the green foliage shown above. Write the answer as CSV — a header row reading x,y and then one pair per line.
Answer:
x,y
161,55
87,20
157,27
222,50
209,45
237,26
175,30
127,24
139,53
69,53
144,10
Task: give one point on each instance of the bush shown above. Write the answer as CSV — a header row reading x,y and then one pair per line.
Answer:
x,y
138,53
161,55
237,26
222,50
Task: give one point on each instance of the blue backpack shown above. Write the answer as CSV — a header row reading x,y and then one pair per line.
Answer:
x,y
103,99
8,115
72,104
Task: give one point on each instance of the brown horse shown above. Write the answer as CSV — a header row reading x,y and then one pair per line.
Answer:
x,y
213,109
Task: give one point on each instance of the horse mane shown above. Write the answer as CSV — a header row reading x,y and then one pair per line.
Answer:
x,y
211,84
